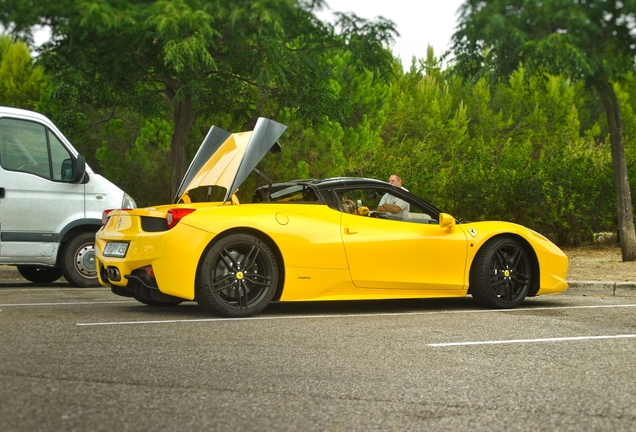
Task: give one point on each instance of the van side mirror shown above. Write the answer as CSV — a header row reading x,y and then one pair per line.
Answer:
x,y
66,173
79,168
447,221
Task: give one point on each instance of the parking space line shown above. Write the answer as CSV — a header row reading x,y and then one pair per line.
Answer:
x,y
287,317
53,289
516,341
66,303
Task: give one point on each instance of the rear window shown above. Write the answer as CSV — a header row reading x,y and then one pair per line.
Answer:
x,y
286,194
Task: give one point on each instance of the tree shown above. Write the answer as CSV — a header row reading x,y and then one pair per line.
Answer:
x,y
22,84
586,40
200,57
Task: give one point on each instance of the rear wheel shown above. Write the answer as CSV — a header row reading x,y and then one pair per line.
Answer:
x,y
77,260
501,274
237,277
39,274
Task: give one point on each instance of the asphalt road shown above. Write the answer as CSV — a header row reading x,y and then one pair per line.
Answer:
x,y
85,360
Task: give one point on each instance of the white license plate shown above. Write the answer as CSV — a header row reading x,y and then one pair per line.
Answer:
x,y
115,249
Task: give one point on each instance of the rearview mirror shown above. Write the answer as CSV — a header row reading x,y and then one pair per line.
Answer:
x,y
79,168
447,221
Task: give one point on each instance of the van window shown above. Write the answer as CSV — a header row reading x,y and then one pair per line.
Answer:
x,y
32,148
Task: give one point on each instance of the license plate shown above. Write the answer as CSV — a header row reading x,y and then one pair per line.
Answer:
x,y
115,249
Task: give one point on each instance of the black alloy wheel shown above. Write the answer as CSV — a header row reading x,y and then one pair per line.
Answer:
x,y
501,274
238,276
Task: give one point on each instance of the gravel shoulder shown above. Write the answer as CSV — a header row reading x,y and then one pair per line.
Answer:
x,y
599,263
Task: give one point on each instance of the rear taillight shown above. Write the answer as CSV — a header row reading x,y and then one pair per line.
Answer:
x,y
175,215
105,216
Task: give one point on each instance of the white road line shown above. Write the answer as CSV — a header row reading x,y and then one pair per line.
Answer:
x,y
515,341
56,289
286,317
65,303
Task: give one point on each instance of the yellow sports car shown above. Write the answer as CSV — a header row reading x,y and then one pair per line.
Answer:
x,y
310,240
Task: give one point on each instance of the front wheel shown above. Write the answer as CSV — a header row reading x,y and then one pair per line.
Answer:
x,y
39,274
77,260
238,277
501,274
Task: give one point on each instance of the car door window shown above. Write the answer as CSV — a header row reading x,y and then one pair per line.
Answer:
x,y
30,147
365,202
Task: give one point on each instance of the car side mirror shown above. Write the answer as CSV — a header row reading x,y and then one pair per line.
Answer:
x,y
447,221
79,168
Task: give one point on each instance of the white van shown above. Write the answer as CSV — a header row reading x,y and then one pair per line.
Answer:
x,y
51,202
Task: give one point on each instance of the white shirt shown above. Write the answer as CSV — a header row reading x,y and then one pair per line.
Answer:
x,y
390,199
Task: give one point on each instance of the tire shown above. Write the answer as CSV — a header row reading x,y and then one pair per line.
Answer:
x,y
501,274
39,274
237,277
77,260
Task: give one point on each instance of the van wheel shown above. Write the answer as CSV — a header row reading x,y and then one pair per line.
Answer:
x,y
39,274
77,260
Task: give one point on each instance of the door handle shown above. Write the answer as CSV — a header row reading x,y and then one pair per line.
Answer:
x,y
350,231
1,192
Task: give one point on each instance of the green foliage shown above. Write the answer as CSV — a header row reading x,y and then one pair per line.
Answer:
x,y
532,148
526,150
588,41
334,148
514,151
143,170
189,58
22,84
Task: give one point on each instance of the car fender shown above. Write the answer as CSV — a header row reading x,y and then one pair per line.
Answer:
x,y
548,258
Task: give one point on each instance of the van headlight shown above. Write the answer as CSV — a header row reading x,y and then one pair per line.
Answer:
x,y
128,202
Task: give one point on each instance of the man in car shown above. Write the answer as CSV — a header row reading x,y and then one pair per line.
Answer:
x,y
392,205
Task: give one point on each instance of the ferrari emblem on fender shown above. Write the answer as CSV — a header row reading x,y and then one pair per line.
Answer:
x,y
118,223
472,232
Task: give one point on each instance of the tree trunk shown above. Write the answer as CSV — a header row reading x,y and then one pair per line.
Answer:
x,y
623,194
183,121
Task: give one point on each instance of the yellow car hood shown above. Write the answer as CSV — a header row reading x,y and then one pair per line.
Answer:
x,y
225,159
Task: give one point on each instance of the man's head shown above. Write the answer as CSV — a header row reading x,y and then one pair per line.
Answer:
x,y
395,180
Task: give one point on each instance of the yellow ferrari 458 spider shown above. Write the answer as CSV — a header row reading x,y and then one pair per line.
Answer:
x,y
310,240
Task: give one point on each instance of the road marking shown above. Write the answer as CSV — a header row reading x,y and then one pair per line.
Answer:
x,y
515,341
65,303
286,317
54,288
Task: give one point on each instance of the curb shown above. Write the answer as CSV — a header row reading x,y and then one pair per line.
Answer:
x,y
621,289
